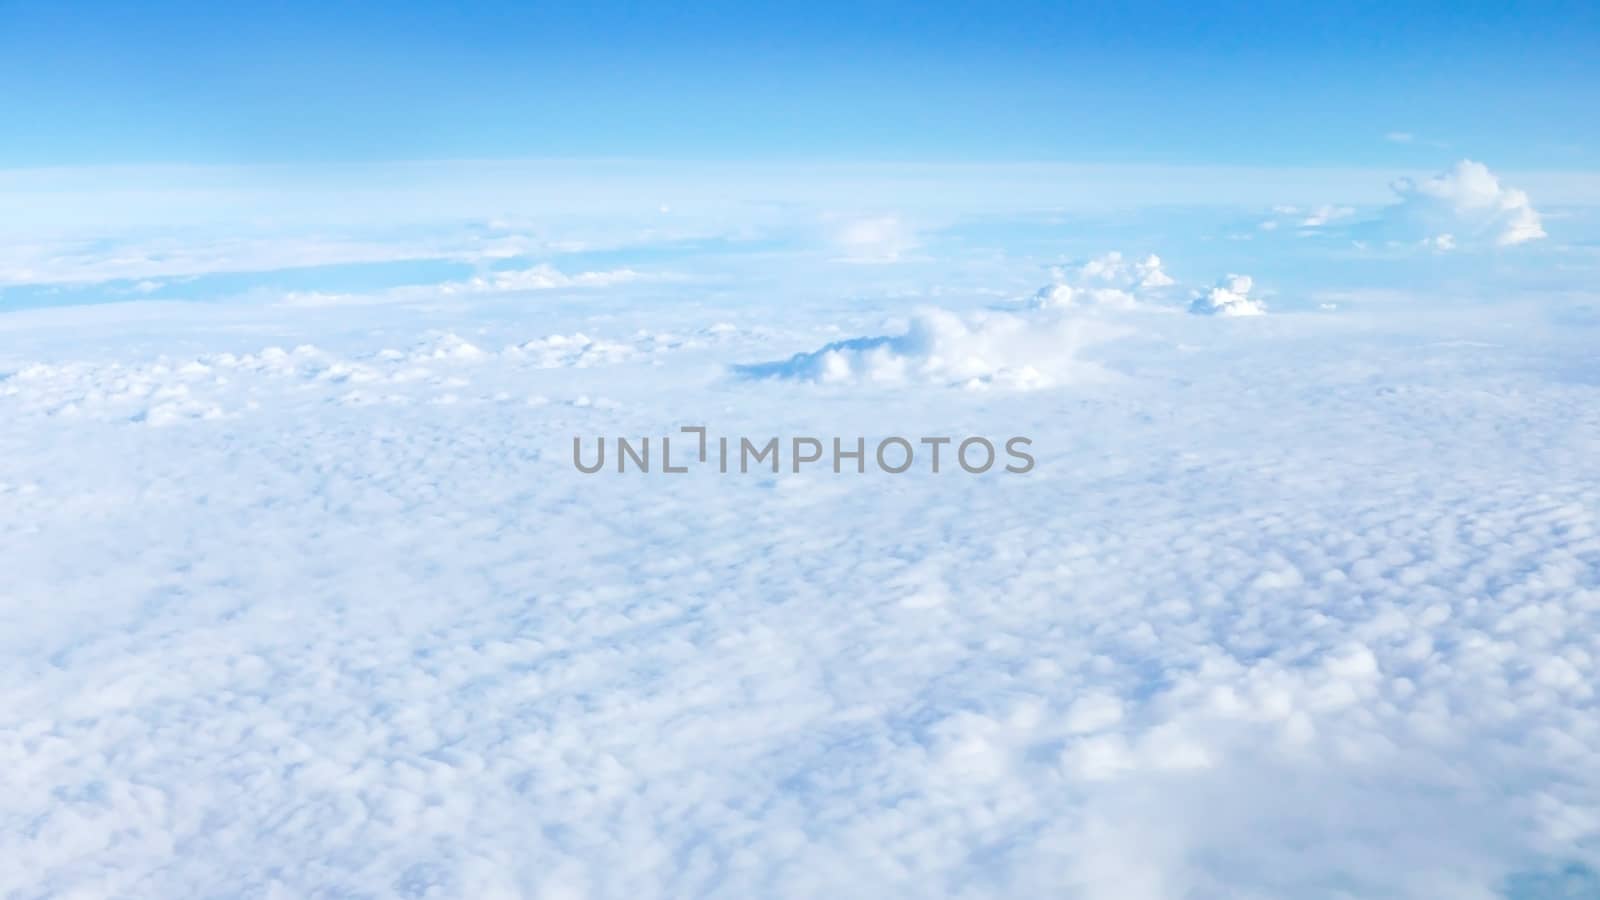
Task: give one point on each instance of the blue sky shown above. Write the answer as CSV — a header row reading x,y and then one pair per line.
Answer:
x,y
215,151
1296,85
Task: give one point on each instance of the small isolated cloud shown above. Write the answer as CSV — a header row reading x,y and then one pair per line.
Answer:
x,y
1465,206
880,239
942,348
1228,297
1400,137
1108,280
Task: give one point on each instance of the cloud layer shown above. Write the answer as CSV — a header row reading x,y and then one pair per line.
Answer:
x,y
1267,620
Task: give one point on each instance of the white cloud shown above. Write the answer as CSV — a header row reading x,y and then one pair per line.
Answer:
x,y
537,278
1060,295
1466,204
1108,280
352,602
1322,215
1228,297
1112,268
879,239
542,277
1464,207
1399,137
149,261
1305,219
941,347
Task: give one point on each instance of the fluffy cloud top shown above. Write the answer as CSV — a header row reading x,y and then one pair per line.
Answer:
x,y
1463,206
1228,297
941,347
1108,280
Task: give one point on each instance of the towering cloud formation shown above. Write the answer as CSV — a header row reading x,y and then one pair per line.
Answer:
x,y
1462,207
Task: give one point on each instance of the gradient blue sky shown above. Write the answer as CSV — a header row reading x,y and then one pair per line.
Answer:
x,y
1295,85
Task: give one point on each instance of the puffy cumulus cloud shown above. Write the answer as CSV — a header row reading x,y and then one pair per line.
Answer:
x,y
1464,206
943,348
1228,297
1109,280
878,239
